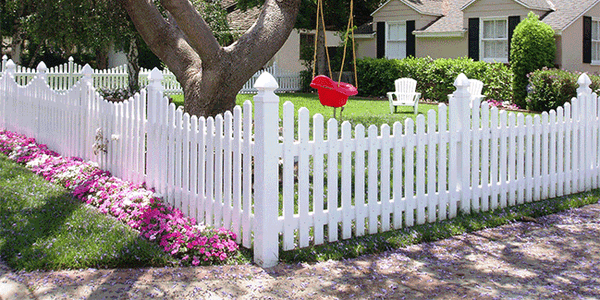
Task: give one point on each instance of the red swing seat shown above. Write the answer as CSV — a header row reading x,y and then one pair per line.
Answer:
x,y
331,93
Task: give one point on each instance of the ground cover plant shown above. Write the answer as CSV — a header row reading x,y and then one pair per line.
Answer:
x,y
133,205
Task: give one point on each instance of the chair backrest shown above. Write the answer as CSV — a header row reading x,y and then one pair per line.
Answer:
x,y
405,85
475,87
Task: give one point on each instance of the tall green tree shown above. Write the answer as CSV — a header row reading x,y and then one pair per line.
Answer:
x,y
532,48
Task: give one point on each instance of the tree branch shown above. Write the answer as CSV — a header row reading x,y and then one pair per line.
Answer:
x,y
163,38
272,28
198,33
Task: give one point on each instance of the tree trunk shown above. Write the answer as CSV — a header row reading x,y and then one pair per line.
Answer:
x,y
321,63
133,66
211,75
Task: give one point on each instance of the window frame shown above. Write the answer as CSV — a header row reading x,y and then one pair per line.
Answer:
x,y
482,40
595,21
388,40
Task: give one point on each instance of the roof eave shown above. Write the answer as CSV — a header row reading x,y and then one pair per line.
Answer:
x,y
524,4
364,36
424,34
409,5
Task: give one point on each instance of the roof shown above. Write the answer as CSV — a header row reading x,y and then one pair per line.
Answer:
x,y
566,12
242,20
531,4
424,7
451,21
560,14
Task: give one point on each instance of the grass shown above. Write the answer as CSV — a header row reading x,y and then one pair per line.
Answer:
x,y
43,227
357,110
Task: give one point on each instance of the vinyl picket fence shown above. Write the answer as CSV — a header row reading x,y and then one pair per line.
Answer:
x,y
63,77
311,181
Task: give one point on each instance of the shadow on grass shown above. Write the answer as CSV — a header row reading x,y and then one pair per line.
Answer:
x,y
43,227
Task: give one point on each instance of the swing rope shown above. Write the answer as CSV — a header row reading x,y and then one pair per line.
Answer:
x,y
322,19
351,29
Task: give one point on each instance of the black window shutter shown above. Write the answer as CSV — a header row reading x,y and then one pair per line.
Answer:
x,y
587,40
410,38
380,39
512,24
474,38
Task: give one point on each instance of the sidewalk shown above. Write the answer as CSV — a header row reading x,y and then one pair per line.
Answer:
x,y
555,257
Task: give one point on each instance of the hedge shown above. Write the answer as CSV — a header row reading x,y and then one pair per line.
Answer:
x,y
550,88
435,78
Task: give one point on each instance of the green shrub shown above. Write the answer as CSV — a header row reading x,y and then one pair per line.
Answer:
x,y
532,47
549,89
435,78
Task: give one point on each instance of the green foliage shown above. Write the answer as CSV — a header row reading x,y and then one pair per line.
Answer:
x,y
532,48
435,78
549,89
216,17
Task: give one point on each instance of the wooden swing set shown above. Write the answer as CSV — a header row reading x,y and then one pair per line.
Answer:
x,y
331,93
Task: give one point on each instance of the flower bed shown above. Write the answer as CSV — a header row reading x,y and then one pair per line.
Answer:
x,y
132,204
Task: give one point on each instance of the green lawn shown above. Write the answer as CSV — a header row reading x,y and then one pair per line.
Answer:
x,y
43,227
357,110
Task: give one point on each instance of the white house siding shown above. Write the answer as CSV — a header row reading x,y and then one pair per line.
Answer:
x,y
451,47
496,8
366,47
571,56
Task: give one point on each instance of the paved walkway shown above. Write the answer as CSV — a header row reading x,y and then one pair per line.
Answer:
x,y
554,257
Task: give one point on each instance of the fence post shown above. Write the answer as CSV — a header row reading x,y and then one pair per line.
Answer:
x,y
266,189
460,103
88,108
4,59
154,100
584,95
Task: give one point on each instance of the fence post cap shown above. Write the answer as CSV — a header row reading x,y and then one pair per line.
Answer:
x,y
155,75
41,68
10,64
266,82
4,57
462,81
71,59
584,84
87,71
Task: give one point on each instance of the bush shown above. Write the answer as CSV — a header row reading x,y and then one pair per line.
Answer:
x,y
532,48
549,89
435,78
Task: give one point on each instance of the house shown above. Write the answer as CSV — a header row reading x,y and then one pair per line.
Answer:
x,y
480,29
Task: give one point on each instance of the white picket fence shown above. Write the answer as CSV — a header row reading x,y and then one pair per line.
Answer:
x,y
63,77
228,171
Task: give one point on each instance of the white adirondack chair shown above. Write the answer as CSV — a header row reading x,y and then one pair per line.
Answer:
x,y
405,94
475,87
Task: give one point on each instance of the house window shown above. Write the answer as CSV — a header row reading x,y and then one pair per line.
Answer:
x,y
494,40
395,40
595,41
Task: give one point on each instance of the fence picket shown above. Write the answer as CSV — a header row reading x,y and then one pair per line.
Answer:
x,y
346,176
303,180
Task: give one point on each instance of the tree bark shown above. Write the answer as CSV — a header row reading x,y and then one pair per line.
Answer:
x,y
211,75
133,66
